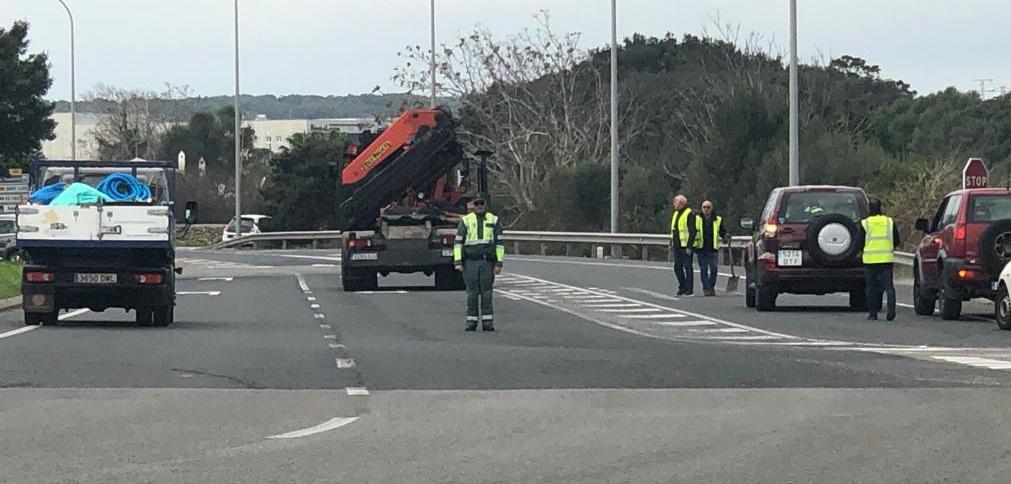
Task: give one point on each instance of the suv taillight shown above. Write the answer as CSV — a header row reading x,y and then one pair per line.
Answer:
x,y
359,243
39,276
960,232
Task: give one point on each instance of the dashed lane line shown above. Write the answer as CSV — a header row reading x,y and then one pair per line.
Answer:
x,y
357,391
26,329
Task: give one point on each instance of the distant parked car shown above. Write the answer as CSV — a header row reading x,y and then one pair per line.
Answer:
x,y
966,246
250,225
8,232
807,241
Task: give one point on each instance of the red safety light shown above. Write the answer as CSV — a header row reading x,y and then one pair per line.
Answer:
x,y
448,240
39,276
149,278
960,232
359,243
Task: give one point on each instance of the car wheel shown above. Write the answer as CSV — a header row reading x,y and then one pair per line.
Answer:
x,y
1002,309
924,299
749,290
765,298
858,300
950,308
995,246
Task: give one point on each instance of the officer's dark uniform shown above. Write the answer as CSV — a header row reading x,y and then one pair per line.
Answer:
x,y
479,249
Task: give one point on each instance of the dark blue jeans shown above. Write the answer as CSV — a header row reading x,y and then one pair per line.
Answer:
x,y
683,271
708,266
878,278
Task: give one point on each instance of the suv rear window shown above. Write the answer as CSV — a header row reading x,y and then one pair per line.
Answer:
x,y
803,207
989,208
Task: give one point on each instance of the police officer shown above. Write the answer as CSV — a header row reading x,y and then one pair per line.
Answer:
x,y
683,241
881,237
479,252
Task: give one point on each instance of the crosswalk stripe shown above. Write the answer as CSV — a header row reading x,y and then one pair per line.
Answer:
x,y
976,361
683,323
655,316
640,310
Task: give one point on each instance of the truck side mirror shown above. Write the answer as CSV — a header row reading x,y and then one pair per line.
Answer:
x,y
922,225
747,223
191,213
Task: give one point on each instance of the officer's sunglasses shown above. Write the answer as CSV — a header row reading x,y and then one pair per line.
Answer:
x,y
478,204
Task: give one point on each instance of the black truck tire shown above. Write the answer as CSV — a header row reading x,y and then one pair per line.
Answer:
x,y
163,315
359,279
448,279
36,319
845,244
144,316
995,247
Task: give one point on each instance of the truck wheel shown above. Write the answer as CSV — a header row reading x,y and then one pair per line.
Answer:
x,y
359,280
858,300
765,298
448,279
35,319
144,316
924,300
1002,309
950,308
163,315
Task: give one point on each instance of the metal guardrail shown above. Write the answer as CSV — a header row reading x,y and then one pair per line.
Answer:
x,y
514,237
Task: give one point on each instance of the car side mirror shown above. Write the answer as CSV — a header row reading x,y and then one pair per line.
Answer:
x,y
747,223
191,213
922,225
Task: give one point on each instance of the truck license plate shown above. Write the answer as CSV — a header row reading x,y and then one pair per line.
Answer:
x,y
790,258
447,252
365,256
95,278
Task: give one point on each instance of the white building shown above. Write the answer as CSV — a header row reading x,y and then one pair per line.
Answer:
x,y
87,147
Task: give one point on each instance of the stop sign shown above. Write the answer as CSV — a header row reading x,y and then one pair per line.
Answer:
x,y
975,174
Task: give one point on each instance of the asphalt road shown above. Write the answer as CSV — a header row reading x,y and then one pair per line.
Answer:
x,y
597,374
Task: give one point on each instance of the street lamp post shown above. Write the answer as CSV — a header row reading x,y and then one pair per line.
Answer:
x,y
73,112
432,61
614,121
238,134
794,100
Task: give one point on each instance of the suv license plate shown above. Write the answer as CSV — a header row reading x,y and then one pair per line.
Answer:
x,y
95,278
995,285
790,258
365,256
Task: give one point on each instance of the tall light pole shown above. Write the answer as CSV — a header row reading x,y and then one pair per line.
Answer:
x,y
238,134
73,112
432,103
794,100
614,119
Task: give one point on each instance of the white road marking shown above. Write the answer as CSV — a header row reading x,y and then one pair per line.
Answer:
x,y
640,310
652,293
324,265
357,391
329,336
198,293
325,326
310,298
738,338
314,306
611,305
323,427
319,316
719,330
345,363
655,316
976,361
381,292
684,323
336,346
301,283
26,329
226,279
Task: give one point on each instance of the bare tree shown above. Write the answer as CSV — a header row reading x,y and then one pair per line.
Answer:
x,y
135,120
919,193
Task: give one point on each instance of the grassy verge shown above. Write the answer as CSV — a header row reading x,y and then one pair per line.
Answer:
x,y
10,279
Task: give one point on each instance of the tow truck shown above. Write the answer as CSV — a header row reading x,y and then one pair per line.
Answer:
x,y
100,255
408,188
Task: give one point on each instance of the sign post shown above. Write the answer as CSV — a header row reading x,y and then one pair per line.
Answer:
x,y
975,174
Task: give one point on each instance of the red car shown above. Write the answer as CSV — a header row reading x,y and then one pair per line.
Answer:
x,y
967,243
806,242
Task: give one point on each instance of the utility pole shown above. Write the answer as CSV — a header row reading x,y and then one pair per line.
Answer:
x,y
982,87
73,111
794,100
238,134
432,103
614,121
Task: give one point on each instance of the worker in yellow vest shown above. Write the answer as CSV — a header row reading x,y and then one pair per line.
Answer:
x,y
881,237
709,233
478,253
683,230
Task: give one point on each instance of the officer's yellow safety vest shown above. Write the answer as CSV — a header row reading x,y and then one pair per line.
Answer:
x,y
487,236
879,244
699,219
679,222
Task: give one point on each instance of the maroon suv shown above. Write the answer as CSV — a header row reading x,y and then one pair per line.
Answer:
x,y
967,243
806,242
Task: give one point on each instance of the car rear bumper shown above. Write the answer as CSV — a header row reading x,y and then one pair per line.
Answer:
x,y
968,281
67,294
805,280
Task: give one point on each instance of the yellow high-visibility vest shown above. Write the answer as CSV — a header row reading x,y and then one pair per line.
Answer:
x,y
699,241
679,222
487,236
879,243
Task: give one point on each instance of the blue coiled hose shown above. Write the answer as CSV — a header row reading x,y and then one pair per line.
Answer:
x,y
47,193
124,188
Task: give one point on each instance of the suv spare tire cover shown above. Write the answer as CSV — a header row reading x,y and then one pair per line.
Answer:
x,y
995,246
832,239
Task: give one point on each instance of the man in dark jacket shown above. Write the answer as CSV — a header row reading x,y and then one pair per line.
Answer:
x,y
711,231
683,242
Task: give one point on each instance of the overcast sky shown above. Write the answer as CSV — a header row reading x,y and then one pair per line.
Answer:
x,y
342,46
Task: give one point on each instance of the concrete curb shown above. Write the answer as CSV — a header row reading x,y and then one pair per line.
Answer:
x,y
10,303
